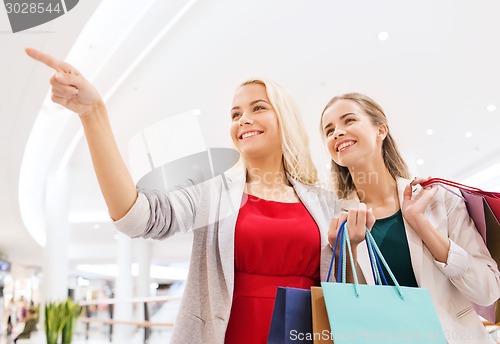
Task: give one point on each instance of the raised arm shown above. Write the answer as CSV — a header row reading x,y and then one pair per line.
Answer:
x,y
71,90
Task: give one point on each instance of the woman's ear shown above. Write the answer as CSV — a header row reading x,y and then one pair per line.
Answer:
x,y
382,131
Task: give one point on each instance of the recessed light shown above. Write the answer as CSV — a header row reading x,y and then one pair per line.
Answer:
x,y
96,226
382,36
430,131
420,161
196,112
491,107
468,134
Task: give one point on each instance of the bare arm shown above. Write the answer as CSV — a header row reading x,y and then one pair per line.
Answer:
x,y
71,90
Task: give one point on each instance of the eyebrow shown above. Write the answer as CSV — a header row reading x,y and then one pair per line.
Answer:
x,y
253,102
341,117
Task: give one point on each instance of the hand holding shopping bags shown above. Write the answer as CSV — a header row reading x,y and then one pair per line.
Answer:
x,y
484,210
381,313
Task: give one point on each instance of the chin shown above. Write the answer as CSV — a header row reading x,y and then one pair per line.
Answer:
x,y
345,162
248,152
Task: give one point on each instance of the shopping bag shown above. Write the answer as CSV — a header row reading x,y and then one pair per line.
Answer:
x,y
291,321
378,313
484,210
320,324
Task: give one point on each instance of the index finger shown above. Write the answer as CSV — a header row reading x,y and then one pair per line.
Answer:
x,y
408,192
45,59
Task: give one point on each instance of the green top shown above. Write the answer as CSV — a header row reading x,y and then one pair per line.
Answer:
x,y
390,235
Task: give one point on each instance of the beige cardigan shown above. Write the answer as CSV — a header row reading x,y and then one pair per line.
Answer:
x,y
211,209
469,275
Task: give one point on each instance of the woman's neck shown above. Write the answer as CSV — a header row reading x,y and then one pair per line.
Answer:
x,y
267,179
377,188
268,171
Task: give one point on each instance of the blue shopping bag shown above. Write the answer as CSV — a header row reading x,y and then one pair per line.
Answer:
x,y
291,321
378,313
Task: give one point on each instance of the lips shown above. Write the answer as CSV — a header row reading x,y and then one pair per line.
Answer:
x,y
342,145
250,133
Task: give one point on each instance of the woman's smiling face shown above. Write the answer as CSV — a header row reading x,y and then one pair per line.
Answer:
x,y
255,128
351,137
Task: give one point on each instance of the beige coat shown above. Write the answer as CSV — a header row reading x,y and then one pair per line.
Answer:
x,y
470,275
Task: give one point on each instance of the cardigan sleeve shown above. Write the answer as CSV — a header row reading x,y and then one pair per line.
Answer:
x,y
159,215
469,266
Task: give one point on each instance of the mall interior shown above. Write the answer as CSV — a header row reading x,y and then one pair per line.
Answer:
x,y
167,71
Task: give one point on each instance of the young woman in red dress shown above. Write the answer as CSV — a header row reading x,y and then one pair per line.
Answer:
x,y
277,236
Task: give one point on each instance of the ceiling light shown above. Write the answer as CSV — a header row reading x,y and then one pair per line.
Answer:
x,y
468,134
96,226
196,112
420,161
491,107
382,36
430,131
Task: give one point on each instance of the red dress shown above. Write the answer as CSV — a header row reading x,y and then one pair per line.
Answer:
x,y
276,244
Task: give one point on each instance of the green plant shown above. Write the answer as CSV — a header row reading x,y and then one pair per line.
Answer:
x,y
72,311
37,309
55,319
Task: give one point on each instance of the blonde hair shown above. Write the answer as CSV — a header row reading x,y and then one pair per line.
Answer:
x,y
340,176
297,160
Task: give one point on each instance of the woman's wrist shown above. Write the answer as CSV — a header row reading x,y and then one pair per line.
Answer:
x,y
418,223
95,111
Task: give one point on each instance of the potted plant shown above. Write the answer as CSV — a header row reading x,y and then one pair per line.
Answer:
x,y
72,311
55,319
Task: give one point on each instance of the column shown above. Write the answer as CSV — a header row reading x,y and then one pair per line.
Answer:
x,y
123,290
142,257
55,260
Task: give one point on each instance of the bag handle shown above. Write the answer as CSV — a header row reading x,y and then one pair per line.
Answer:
x,y
378,273
444,182
372,242
344,268
375,254
341,230
451,183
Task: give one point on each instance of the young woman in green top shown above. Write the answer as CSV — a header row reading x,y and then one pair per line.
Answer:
x,y
425,234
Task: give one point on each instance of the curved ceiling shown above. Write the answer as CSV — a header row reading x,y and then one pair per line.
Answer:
x,y
435,75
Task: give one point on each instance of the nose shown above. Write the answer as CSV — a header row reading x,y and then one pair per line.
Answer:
x,y
338,133
244,119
